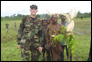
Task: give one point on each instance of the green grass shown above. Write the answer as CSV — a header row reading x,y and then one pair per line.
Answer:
x,y
9,46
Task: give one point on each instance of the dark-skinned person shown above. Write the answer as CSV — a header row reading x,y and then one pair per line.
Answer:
x,y
6,27
64,23
44,29
53,30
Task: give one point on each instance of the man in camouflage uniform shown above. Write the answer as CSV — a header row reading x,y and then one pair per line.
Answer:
x,y
30,36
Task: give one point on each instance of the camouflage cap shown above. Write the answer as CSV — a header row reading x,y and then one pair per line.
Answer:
x,y
33,6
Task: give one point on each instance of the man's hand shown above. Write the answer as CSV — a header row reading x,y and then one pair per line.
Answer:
x,y
19,46
40,49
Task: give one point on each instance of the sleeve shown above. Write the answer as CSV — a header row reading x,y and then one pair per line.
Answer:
x,y
38,31
40,34
20,31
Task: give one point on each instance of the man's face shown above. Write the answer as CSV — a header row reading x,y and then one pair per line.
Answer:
x,y
54,19
33,11
63,17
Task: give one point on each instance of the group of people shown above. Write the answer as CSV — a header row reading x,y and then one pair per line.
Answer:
x,y
37,36
57,53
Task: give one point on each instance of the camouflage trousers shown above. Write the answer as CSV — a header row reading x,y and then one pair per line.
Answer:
x,y
26,47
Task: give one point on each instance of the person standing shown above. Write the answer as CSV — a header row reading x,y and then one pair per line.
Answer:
x,y
64,23
6,27
44,29
53,30
30,36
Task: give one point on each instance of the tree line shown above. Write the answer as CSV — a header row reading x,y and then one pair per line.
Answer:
x,y
83,15
45,16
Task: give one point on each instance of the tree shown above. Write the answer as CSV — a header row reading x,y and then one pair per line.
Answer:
x,y
13,15
83,15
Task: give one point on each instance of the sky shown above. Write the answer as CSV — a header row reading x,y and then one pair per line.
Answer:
x,y
9,8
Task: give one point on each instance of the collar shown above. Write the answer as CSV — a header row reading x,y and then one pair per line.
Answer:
x,y
31,17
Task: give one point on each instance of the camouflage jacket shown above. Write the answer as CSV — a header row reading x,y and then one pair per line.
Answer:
x,y
30,30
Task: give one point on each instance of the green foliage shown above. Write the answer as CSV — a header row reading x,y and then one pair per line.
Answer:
x,y
20,17
58,37
63,30
83,15
71,43
45,16
70,40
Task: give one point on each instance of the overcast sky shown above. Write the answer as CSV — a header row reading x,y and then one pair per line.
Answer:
x,y
9,8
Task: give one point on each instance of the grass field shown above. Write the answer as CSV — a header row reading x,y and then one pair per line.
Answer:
x,y
9,46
